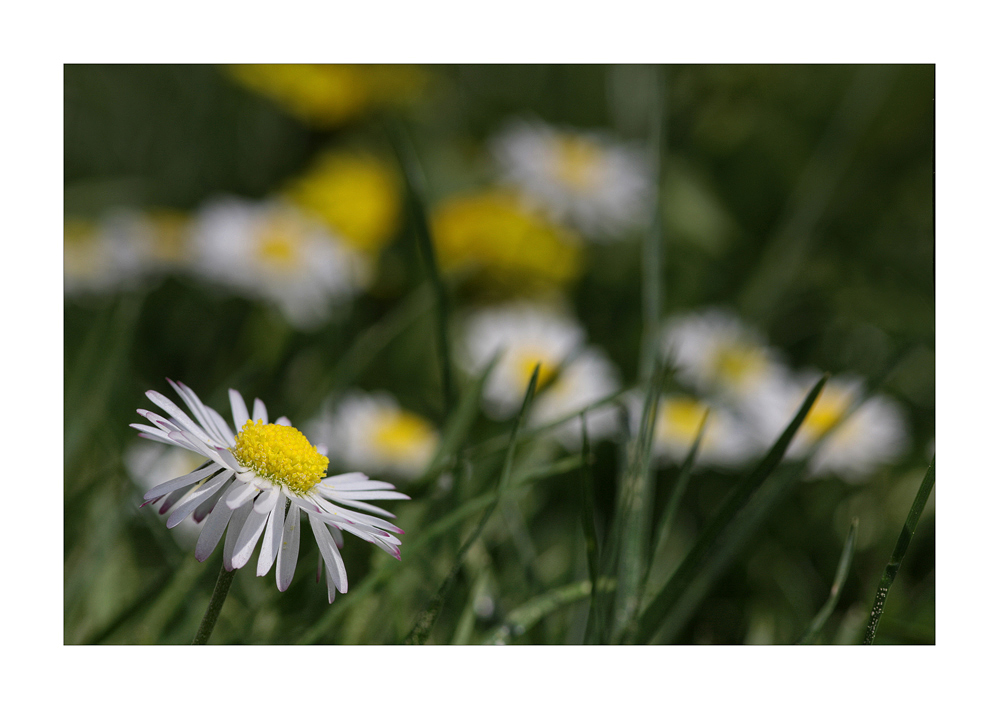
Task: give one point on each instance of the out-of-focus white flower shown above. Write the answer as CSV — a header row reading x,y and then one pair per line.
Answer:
x,y
372,432
122,250
595,183
874,434
717,354
150,465
257,483
273,252
727,441
523,334
584,380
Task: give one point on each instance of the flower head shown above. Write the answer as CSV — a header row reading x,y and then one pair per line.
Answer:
x,y
274,252
257,483
594,183
373,432
727,441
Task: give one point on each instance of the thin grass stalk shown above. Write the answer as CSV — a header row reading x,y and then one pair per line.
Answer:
x,y
904,537
219,594
525,617
594,631
425,621
651,620
416,199
845,559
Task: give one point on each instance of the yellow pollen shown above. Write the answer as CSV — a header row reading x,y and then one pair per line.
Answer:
x,y
737,365
281,454
681,416
526,361
400,433
577,162
826,412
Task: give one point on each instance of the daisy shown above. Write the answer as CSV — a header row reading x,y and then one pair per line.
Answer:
x,y
373,432
856,444
727,442
523,334
589,180
356,195
258,483
494,236
274,252
583,380
716,353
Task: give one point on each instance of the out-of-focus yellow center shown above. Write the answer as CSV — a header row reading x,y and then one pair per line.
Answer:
x,y
281,454
83,254
826,412
680,417
736,365
357,195
277,243
400,434
170,236
577,162
527,361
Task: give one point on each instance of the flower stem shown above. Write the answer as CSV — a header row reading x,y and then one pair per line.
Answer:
x,y
214,607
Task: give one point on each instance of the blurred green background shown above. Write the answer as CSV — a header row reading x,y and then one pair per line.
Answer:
x,y
801,197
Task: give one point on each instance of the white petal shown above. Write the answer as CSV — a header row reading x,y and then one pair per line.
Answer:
x,y
259,410
178,415
239,414
265,502
202,510
236,524
331,555
248,537
154,434
368,508
189,479
200,411
240,494
356,486
362,494
196,498
272,537
288,552
283,421
212,532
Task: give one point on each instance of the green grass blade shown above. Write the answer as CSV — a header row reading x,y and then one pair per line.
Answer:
x,y
899,552
637,496
522,619
652,241
416,203
425,621
594,623
652,618
845,559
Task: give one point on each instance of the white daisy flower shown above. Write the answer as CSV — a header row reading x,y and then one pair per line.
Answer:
x,y
524,334
716,353
583,380
874,434
373,432
273,252
727,442
257,483
149,465
596,184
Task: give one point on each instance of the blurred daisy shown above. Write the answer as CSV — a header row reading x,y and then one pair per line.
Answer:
x,y
257,483
271,251
875,434
717,354
494,236
726,442
371,431
583,380
149,465
523,334
328,95
122,250
357,195
600,186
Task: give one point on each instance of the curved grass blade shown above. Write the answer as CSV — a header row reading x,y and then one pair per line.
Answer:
x,y
819,621
652,619
522,619
899,552
415,200
425,621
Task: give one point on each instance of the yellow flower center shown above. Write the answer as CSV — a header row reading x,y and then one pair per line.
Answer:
x,y
826,412
277,243
83,254
527,361
680,417
736,365
400,434
281,454
169,236
577,162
